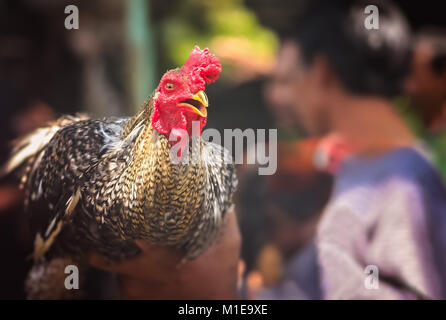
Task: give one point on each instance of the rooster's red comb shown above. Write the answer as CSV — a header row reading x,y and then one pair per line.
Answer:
x,y
203,67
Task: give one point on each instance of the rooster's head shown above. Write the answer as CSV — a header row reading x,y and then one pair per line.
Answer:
x,y
180,99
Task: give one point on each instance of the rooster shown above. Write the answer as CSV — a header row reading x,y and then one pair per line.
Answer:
x,y
102,184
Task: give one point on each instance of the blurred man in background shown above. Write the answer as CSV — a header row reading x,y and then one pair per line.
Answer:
x,y
279,213
387,210
426,87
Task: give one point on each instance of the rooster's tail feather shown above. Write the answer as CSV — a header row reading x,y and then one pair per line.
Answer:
x,y
30,145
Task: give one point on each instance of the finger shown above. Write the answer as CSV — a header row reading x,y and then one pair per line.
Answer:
x,y
153,261
100,262
130,266
164,252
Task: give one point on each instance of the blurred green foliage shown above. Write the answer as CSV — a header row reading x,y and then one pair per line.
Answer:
x,y
436,142
203,22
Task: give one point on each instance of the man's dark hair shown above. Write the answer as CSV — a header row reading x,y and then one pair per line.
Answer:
x,y
367,62
436,37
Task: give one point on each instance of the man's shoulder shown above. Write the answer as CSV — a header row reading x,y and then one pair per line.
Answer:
x,y
364,188
406,165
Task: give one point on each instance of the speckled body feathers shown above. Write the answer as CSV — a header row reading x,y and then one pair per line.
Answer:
x,y
109,182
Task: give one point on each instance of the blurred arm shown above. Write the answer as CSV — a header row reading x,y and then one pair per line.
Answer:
x,y
157,273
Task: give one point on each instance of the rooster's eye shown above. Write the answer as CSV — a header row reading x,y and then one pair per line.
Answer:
x,y
169,86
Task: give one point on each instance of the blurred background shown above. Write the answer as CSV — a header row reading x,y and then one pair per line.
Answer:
x,y
110,65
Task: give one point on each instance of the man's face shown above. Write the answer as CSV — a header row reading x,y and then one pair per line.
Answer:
x,y
293,92
426,89
280,90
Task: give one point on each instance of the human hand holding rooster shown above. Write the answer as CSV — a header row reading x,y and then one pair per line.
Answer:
x,y
157,273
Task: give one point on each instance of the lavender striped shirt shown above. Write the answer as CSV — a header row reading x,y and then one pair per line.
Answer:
x,y
389,212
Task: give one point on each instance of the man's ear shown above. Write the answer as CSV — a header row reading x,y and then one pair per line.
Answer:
x,y
443,74
323,73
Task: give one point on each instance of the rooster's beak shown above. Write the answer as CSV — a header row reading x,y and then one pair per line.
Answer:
x,y
197,103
